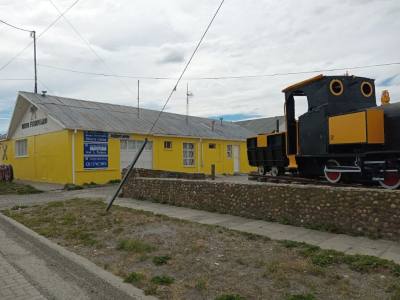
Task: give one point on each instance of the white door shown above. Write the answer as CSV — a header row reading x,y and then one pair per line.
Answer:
x,y
129,149
236,159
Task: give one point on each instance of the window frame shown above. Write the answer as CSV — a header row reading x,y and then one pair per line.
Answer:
x,y
168,143
17,148
229,151
186,158
212,146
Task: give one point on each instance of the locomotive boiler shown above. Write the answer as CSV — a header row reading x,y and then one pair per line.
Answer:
x,y
343,136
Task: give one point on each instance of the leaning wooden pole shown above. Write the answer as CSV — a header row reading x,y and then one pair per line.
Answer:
x,y
126,175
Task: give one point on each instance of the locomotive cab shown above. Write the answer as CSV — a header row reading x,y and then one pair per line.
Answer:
x,y
343,134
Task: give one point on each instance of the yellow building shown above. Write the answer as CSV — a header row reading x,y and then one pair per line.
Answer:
x,y
63,140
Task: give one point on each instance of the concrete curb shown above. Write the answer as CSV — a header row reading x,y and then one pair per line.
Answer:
x,y
89,266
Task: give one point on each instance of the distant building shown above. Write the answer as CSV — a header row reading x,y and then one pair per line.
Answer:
x,y
63,140
264,125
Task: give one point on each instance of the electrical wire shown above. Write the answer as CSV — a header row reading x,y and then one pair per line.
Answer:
x,y
15,79
40,35
92,49
220,77
15,27
186,67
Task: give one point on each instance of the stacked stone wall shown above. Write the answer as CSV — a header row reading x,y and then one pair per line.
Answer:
x,y
370,212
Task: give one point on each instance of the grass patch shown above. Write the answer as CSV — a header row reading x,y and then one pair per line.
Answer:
x,y
114,181
72,187
90,184
325,258
7,188
162,280
134,277
18,207
301,297
230,297
134,246
161,260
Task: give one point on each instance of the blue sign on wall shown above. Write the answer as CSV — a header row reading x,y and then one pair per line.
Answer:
x,y
95,162
95,136
95,149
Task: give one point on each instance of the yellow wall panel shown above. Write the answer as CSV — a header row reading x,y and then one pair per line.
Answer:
x,y
348,129
50,157
262,140
376,126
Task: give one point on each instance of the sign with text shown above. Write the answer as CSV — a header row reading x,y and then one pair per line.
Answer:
x,y
95,136
95,150
95,162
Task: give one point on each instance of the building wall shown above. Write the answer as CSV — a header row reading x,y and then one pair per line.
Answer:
x,y
172,159
99,176
48,158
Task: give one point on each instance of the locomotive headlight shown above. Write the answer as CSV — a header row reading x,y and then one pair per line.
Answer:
x,y
366,89
336,87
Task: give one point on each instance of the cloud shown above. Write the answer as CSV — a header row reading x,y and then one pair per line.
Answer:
x,y
172,56
154,38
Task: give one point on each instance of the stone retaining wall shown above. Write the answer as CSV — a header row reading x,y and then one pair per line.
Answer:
x,y
167,174
374,213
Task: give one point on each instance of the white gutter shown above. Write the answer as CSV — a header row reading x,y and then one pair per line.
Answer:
x,y
73,156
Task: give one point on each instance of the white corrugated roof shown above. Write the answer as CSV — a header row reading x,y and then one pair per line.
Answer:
x,y
90,115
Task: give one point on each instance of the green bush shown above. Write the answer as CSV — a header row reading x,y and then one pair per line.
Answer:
x,y
162,280
134,246
161,260
230,297
134,277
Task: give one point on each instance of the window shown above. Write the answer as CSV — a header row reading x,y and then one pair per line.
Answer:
x,y
212,146
336,87
188,154
229,151
124,144
167,145
366,89
21,148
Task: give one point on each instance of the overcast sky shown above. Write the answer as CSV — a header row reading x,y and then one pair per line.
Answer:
x,y
155,38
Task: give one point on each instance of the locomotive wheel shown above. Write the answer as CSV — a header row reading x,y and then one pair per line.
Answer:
x,y
332,177
262,170
275,171
391,181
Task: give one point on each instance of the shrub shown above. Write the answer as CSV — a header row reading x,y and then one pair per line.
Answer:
x,y
162,280
161,260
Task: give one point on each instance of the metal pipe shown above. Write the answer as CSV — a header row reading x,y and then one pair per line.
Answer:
x,y
131,166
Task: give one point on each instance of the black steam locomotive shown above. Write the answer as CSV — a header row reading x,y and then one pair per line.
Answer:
x,y
343,135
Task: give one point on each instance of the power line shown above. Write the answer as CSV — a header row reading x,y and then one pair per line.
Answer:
x,y
219,77
15,27
186,66
15,79
91,48
41,34
161,111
